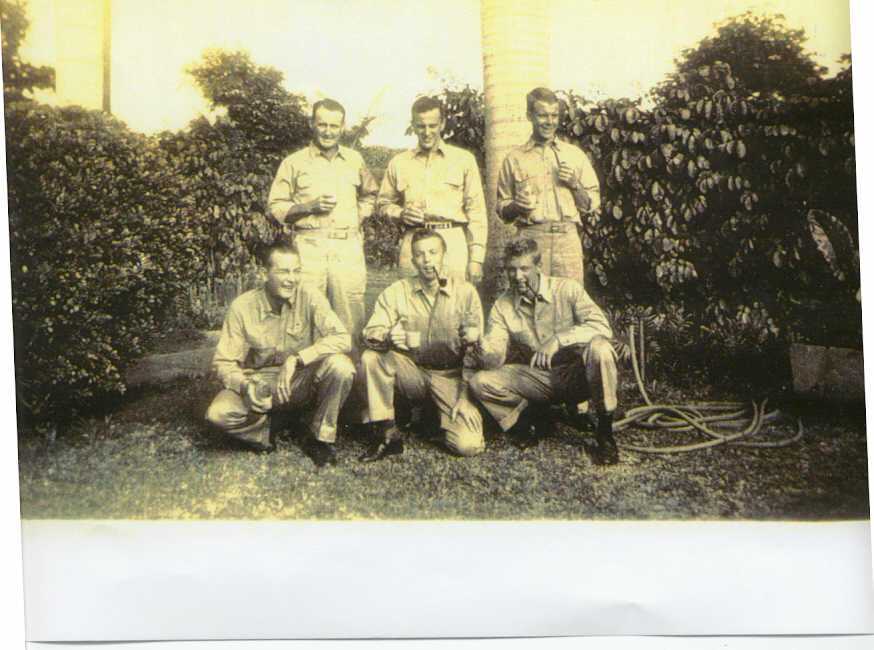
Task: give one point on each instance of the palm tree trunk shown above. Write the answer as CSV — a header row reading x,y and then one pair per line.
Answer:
x,y
515,45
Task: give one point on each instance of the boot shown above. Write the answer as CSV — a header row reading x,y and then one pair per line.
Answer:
x,y
321,453
606,452
533,426
390,445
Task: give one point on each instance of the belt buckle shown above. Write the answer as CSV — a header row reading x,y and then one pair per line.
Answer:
x,y
556,227
339,235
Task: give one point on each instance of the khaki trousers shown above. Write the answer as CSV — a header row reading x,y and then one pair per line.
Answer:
x,y
560,247
320,387
337,269
578,372
386,372
454,262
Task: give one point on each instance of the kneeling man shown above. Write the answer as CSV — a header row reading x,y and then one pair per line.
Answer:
x,y
565,338
415,349
282,348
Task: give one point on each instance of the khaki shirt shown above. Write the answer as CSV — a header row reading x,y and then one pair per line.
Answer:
x,y
437,319
254,336
445,184
563,309
533,168
307,174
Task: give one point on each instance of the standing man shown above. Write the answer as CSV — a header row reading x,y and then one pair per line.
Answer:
x,y
543,187
565,338
437,186
282,347
320,195
415,350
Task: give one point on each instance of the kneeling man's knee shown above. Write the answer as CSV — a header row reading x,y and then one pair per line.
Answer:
x,y
216,415
340,366
600,348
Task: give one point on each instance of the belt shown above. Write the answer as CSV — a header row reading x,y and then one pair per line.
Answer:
x,y
550,226
441,224
330,233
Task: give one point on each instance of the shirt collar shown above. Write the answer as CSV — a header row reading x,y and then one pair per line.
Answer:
x,y
315,152
440,148
555,143
263,303
544,293
446,289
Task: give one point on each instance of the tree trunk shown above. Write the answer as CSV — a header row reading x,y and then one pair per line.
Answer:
x,y
515,45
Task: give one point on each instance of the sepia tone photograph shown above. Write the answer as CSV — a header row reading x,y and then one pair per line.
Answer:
x,y
466,260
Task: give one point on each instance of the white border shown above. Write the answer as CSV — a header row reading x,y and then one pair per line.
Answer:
x,y
863,19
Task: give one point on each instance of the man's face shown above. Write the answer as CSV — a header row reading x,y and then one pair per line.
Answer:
x,y
428,258
428,126
544,120
283,274
327,127
522,273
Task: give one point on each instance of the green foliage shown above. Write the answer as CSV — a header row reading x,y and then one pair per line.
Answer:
x,y
19,77
730,191
98,252
224,169
730,203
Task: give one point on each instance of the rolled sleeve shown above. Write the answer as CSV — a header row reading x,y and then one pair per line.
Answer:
x,y
332,335
589,319
282,191
383,318
367,192
388,201
505,186
475,211
492,351
589,199
231,351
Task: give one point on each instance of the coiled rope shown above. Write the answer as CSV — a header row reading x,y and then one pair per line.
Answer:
x,y
732,423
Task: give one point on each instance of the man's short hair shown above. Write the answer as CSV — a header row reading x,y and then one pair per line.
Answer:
x,y
425,104
521,246
265,255
420,234
541,94
329,105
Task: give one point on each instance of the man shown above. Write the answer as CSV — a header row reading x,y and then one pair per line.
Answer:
x,y
415,349
320,195
437,186
282,348
543,187
565,339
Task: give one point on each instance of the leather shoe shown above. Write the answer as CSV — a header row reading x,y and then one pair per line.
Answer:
x,y
606,452
321,453
383,450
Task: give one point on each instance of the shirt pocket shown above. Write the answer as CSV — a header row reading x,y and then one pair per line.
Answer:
x,y
303,182
296,335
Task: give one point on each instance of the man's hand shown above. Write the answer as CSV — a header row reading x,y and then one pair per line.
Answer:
x,y
474,272
524,203
397,335
283,387
321,204
413,216
255,402
542,359
568,176
469,334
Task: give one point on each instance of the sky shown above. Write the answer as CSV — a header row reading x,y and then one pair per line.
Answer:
x,y
375,56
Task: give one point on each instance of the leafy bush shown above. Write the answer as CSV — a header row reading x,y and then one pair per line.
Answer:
x,y
98,252
730,190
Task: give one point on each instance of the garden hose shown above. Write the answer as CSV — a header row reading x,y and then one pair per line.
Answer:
x,y
721,423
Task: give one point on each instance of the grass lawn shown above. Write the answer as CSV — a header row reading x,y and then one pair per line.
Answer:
x,y
152,458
